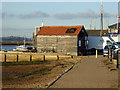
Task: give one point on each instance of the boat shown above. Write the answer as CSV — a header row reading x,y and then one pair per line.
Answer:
x,y
20,48
24,48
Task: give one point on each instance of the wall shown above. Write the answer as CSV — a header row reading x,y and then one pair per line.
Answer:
x,y
65,44
20,57
96,41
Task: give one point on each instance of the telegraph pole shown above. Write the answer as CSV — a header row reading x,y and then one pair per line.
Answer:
x,y
101,33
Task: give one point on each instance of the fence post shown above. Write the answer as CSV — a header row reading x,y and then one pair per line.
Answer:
x,y
5,58
17,58
43,57
111,55
30,58
117,59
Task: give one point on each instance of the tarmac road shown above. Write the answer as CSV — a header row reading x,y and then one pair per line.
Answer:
x,y
90,72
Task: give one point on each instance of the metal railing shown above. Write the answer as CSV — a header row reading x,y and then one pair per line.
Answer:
x,y
114,56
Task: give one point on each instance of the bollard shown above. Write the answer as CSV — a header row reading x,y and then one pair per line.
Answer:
x,y
117,60
111,55
96,53
108,52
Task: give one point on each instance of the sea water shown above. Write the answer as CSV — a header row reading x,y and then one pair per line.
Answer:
x,y
8,47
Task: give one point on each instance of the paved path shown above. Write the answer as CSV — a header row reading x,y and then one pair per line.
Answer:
x,y
89,73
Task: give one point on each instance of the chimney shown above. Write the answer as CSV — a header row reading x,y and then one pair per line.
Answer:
x,y
36,30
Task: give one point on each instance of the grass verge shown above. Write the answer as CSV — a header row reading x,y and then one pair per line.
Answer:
x,y
42,71
22,63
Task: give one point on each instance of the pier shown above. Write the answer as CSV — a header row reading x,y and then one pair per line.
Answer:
x,y
16,43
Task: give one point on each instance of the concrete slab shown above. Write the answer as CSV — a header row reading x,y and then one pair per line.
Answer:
x,y
90,72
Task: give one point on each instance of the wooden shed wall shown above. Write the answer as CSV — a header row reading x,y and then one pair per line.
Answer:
x,y
65,44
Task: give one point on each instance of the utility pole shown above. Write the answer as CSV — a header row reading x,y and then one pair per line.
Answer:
x,y
101,33
107,23
118,24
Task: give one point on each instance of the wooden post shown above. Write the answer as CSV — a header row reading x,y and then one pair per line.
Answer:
x,y
43,57
30,58
71,56
17,58
5,58
57,57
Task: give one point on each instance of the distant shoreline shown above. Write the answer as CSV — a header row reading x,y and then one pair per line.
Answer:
x,y
16,43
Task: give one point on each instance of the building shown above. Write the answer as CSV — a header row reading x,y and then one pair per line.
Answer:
x,y
92,32
61,39
115,28
97,42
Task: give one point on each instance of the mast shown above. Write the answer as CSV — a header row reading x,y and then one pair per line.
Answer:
x,y
91,25
33,38
95,24
42,23
117,24
24,41
101,33
107,24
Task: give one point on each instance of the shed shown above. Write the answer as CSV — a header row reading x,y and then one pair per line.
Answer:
x,y
62,39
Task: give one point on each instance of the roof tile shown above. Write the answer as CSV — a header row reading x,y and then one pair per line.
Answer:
x,y
58,30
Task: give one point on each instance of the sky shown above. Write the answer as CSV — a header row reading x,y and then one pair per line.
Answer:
x,y
21,18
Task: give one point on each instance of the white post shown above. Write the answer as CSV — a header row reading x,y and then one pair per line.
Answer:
x,y
96,53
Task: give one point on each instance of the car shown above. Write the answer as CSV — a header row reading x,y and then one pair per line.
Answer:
x,y
4,50
105,50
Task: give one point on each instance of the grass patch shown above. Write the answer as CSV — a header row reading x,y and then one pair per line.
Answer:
x,y
22,63
7,78
42,71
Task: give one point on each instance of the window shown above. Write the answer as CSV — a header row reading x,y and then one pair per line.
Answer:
x,y
106,47
71,30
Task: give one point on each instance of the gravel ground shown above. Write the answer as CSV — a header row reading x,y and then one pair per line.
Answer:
x,y
38,75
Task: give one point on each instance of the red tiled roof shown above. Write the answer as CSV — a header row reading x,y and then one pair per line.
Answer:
x,y
58,30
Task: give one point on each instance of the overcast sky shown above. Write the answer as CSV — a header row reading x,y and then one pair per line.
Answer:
x,y
20,18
